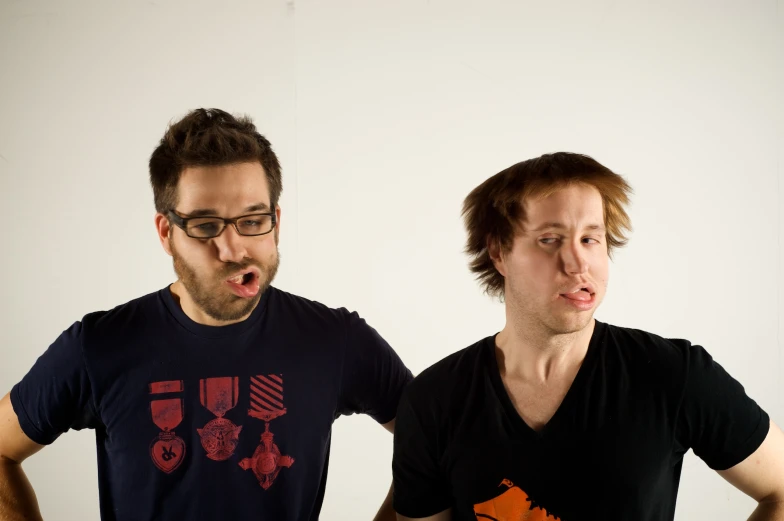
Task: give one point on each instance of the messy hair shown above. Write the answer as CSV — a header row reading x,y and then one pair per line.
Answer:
x,y
209,137
493,211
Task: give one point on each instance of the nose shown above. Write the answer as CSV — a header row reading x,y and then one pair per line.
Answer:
x,y
230,245
575,260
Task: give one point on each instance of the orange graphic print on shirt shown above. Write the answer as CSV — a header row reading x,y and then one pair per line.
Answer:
x,y
512,505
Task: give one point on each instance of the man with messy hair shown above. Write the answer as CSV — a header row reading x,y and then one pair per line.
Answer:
x,y
214,397
559,416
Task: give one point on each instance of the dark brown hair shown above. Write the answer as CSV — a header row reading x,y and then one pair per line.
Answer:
x,y
209,137
493,211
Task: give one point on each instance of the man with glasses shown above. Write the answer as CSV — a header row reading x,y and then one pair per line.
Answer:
x,y
214,397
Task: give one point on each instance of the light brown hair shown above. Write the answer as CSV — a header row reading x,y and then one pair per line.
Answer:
x,y
494,210
209,137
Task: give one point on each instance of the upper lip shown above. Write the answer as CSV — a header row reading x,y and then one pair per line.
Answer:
x,y
578,287
250,269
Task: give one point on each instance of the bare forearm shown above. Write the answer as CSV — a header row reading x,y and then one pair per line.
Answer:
x,y
769,511
17,498
386,512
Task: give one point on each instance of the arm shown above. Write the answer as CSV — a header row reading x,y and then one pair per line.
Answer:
x,y
761,476
17,498
732,434
421,490
446,515
386,512
374,377
53,397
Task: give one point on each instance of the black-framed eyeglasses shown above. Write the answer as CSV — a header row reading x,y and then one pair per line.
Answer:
x,y
210,227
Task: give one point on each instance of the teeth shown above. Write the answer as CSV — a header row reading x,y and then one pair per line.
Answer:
x,y
237,280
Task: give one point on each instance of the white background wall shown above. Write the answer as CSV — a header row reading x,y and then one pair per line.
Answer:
x,y
385,115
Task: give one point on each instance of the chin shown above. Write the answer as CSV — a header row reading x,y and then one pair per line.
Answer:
x,y
571,324
231,312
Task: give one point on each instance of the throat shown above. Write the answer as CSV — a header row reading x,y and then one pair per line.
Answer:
x,y
537,404
529,350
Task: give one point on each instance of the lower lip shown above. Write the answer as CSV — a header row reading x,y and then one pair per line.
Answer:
x,y
249,290
580,305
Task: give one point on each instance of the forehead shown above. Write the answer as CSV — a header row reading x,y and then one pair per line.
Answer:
x,y
570,205
223,188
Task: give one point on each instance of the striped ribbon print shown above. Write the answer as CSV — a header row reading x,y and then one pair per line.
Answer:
x,y
266,396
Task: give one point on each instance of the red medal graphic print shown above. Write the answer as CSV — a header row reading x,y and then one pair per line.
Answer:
x,y
167,450
170,386
220,436
266,401
267,460
266,397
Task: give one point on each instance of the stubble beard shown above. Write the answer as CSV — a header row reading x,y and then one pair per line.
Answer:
x,y
212,298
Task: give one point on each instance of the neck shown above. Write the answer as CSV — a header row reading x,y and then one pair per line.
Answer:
x,y
529,350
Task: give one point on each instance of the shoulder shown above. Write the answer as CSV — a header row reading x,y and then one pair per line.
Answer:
x,y
452,378
452,367
650,355
279,297
120,318
307,311
647,345
667,357
95,332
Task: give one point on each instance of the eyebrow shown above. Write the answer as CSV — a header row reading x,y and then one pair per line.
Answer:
x,y
211,212
560,226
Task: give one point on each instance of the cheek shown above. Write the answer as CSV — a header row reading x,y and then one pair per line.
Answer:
x,y
263,249
538,262
194,255
535,271
601,268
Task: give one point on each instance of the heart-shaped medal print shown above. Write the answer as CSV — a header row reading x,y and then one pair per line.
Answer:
x,y
167,454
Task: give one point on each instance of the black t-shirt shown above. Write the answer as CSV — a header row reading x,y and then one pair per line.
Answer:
x,y
209,423
612,451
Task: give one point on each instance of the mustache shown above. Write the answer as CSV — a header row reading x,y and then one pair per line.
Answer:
x,y
231,268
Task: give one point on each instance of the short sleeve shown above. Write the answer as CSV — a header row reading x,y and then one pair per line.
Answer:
x,y
373,375
55,395
420,488
718,420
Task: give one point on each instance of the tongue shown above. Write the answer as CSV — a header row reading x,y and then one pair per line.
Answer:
x,y
579,295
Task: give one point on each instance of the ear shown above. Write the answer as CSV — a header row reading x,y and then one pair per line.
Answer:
x,y
163,227
496,255
277,225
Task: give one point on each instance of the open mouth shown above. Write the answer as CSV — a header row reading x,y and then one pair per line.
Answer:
x,y
246,283
243,279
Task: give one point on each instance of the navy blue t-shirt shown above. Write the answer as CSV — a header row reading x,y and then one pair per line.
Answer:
x,y
204,422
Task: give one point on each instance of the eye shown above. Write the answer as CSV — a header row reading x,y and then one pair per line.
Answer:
x,y
255,224
206,227
590,240
549,240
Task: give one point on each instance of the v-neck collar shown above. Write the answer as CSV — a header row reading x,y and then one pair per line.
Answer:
x,y
521,428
